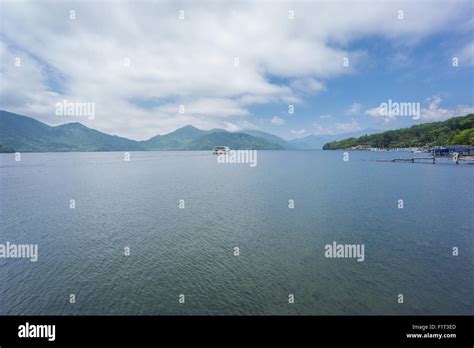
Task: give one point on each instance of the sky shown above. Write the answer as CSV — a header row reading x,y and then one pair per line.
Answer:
x,y
292,68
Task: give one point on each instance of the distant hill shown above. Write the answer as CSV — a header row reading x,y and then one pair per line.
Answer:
x,y
318,141
29,135
455,131
6,149
176,140
192,138
232,140
25,134
267,136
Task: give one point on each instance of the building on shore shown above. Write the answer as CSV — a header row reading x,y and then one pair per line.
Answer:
x,y
450,149
361,147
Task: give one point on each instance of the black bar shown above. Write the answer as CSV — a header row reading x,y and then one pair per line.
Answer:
x,y
134,330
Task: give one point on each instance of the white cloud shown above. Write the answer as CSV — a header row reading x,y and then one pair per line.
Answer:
x,y
278,121
337,128
379,111
190,61
434,112
231,127
430,111
321,130
244,124
307,86
214,107
298,131
347,127
354,109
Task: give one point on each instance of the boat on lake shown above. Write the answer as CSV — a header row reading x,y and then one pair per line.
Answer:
x,y
221,150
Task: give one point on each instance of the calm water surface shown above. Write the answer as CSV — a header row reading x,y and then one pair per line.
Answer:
x,y
191,251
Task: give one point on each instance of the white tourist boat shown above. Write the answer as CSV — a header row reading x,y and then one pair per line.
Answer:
x,y
221,150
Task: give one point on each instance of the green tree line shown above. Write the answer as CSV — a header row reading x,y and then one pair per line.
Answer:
x,y
455,131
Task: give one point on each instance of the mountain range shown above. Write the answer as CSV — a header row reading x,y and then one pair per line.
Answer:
x,y
26,134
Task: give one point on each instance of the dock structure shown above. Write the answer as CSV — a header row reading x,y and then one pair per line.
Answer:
x,y
413,159
456,159
461,150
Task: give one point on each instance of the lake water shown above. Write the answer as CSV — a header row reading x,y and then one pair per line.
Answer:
x,y
190,251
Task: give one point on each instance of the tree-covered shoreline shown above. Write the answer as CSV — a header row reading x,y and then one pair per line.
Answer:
x,y
6,149
455,131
